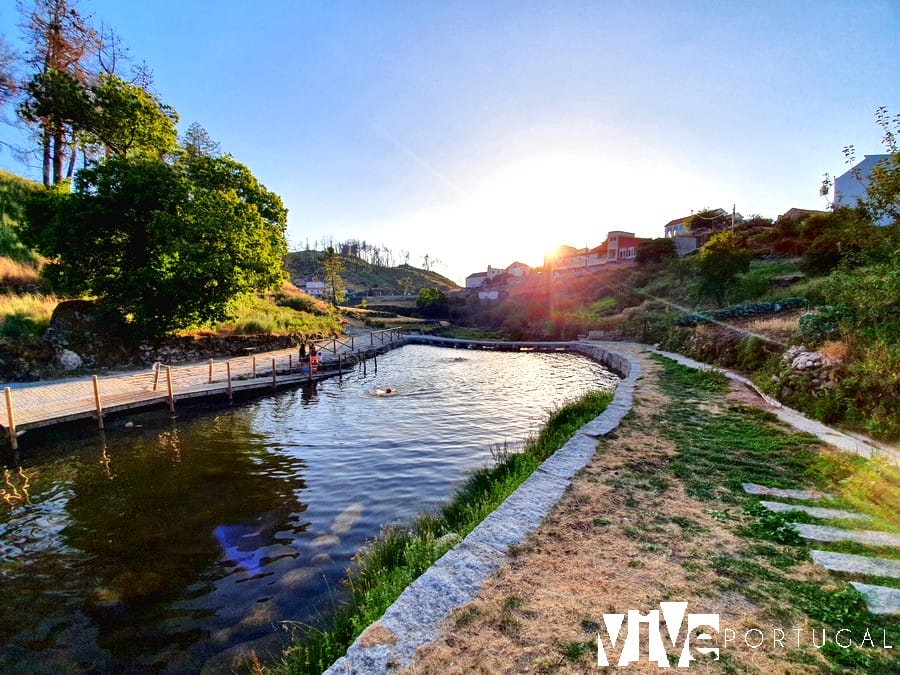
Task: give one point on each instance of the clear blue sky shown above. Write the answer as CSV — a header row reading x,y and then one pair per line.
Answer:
x,y
486,132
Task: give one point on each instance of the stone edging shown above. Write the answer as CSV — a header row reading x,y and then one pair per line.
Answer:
x,y
842,441
414,618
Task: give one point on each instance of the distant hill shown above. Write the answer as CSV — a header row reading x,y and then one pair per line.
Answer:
x,y
363,278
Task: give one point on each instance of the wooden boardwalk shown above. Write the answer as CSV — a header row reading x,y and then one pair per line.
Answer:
x,y
45,405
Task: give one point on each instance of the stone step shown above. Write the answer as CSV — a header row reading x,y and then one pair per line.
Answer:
x,y
879,599
754,489
867,537
815,511
856,564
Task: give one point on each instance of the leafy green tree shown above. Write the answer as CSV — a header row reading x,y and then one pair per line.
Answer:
x,y
62,44
719,262
332,266
197,141
126,121
58,104
655,251
157,246
883,189
432,302
407,285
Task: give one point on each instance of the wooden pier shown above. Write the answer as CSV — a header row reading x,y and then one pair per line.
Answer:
x,y
38,406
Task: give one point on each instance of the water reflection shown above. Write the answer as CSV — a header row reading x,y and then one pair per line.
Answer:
x,y
169,544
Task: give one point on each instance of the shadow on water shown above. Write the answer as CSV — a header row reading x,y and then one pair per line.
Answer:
x,y
171,543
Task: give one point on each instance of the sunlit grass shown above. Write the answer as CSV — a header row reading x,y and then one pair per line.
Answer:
x,y
25,316
282,313
16,273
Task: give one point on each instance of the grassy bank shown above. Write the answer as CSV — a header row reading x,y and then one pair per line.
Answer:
x,y
399,556
723,448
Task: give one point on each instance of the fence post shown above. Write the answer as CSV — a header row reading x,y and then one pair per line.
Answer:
x,y
290,363
228,375
155,375
210,370
340,368
171,391
97,403
254,367
13,439
274,372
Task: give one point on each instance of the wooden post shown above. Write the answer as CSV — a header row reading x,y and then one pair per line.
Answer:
x,y
13,439
375,357
228,375
340,369
290,363
274,373
210,370
254,367
97,403
171,392
155,375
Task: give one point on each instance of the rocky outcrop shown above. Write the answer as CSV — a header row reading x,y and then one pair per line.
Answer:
x,y
804,370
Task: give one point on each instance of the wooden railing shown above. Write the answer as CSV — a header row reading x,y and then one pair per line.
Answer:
x,y
43,405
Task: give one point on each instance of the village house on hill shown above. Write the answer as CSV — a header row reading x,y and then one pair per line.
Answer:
x,y
619,247
690,232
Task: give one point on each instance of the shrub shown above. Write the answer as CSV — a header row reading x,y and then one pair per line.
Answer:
x,y
817,327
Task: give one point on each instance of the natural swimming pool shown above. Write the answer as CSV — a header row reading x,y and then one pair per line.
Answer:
x,y
166,545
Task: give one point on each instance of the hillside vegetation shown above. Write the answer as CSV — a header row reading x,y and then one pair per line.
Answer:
x,y
362,278
820,332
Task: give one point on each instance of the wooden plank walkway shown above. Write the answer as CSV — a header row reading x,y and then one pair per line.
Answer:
x,y
45,405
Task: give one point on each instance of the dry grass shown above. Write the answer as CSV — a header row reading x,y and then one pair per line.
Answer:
x,y
625,536
34,306
775,327
14,273
834,351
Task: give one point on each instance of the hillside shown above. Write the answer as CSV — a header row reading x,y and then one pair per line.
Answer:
x,y
362,278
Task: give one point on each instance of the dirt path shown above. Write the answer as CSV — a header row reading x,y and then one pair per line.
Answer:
x,y
625,536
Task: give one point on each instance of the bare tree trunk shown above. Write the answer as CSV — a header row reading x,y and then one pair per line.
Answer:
x,y
58,145
71,170
47,155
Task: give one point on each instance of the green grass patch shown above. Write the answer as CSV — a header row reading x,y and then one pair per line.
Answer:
x,y
280,315
717,450
399,555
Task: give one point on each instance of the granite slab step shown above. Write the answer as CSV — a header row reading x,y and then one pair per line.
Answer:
x,y
814,511
762,490
856,564
867,537
879,599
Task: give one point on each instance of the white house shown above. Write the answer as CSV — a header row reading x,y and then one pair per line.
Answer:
x,y
476,280
518,270
315,287
850,187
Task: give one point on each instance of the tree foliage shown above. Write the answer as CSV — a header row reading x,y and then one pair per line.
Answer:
x,y
159,246
720,260
127,121
332,266
62,44
432,302
655,251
